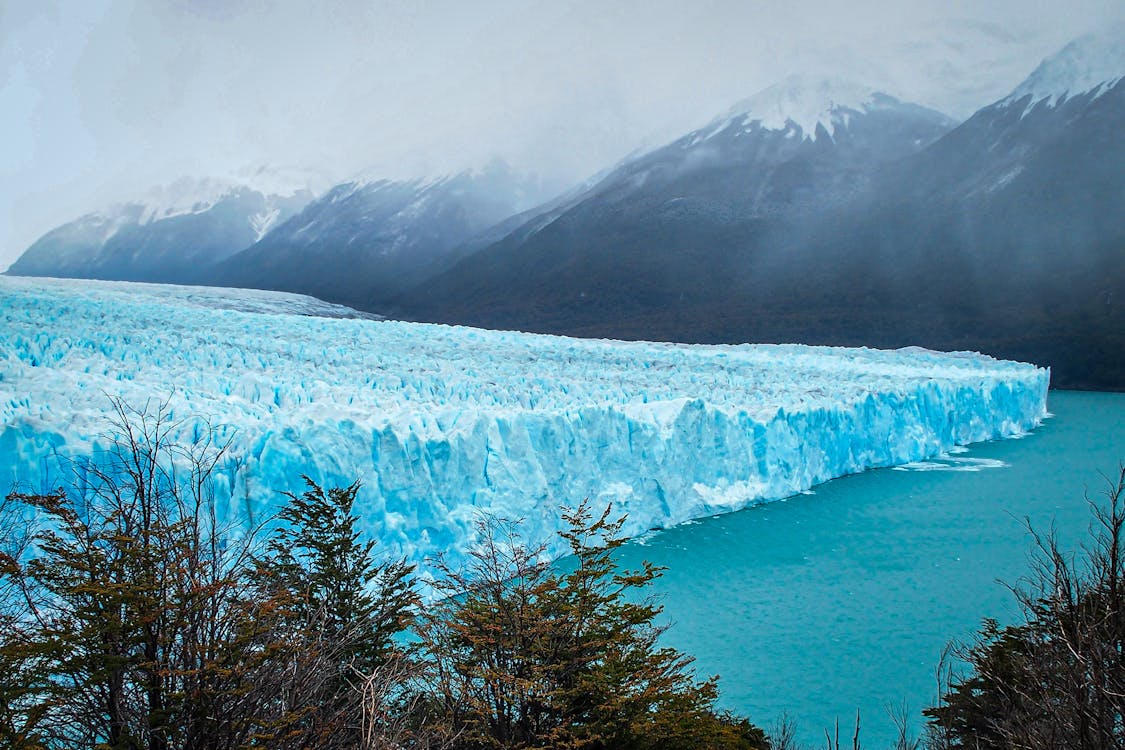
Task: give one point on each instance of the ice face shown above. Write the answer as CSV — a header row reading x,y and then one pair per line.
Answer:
x,y
443,423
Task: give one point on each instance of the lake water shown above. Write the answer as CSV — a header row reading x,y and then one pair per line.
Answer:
x,y
845,598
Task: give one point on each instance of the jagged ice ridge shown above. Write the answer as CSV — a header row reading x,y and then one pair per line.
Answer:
x,y
442,423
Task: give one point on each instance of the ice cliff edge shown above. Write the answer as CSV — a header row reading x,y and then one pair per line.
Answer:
x,y
443,423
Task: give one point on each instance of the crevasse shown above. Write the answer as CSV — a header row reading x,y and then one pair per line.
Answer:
x,y
443,423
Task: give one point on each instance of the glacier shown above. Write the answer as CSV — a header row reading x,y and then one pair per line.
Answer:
x,y
441,423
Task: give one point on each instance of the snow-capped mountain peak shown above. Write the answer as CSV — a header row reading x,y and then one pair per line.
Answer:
x,y
1090,63
186,195
282,181
170,232
804,102
190,195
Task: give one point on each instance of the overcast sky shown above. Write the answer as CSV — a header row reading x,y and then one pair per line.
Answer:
x,y
102,99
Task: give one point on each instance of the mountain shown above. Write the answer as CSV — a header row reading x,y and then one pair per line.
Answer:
x,y
664,233
171,236
829,214
1005,236
798,146
366,241
1090,65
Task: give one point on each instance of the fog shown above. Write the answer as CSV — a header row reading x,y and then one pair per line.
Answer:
x,y
101,99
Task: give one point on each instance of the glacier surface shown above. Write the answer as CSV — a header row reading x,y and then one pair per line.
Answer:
x,y
441,423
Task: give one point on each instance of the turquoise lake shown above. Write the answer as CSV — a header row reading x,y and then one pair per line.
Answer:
x,y
844,599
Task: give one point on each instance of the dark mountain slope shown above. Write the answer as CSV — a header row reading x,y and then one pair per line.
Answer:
x,y
1007,235
678,225
173,238
364,242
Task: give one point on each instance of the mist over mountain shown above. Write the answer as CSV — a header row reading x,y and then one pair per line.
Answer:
x,y
365,242
362,242
173,235
657,239
669,228
833,215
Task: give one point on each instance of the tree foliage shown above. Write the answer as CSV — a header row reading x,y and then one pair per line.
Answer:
x,y
335,612
132,618
121,617
522,655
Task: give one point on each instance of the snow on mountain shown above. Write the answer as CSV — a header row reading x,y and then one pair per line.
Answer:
x,y
366,241
772,136
440,423
173,232
1092,63
263,221
374,178
804,104
189,195
184,196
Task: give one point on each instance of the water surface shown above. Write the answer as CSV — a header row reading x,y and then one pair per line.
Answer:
x,y
845,598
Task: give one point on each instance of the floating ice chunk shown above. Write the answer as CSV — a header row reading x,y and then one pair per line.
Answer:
x,y
946,462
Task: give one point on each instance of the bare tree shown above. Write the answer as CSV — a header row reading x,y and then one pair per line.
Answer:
x,y
1058,679
900,717
783,733
125,602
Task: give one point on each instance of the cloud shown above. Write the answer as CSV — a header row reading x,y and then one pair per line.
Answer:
x,y
105,98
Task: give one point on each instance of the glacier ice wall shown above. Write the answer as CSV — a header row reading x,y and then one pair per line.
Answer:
x,y
440,423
